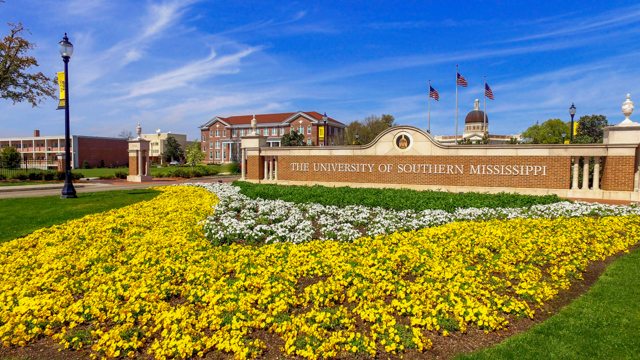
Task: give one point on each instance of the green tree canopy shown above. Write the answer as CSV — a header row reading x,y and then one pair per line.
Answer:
x,y
293,139
172,150
549,132
16,84
194,153
10,157
590,129
367,130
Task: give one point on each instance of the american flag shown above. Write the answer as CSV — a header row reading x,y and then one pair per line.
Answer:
x,y
487,91
461,80
433,93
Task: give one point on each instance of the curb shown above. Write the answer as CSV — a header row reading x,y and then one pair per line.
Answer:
x,y
38,187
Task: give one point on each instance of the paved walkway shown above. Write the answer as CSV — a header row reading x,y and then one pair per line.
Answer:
x,y
8,192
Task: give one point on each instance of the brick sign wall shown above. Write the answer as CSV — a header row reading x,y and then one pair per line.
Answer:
x,y
618,173
490,171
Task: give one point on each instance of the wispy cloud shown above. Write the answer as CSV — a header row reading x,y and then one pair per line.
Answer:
x,y
613,19
195,71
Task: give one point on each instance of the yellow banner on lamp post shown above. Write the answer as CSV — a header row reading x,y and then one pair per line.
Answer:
x,y
321,133
62,103
575,128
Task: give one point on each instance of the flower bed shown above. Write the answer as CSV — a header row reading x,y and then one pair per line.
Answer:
x,y
238,217
123,283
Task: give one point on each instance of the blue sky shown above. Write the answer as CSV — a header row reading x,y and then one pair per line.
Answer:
x,y
173,65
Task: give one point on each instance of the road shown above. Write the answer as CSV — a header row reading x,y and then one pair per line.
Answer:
x,y
9,192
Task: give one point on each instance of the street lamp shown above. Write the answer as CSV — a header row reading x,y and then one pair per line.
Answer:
x,y
66,50
572,111
324,120
563,135
357,137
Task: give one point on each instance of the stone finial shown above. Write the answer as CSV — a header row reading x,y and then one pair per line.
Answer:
x,y
254,125
627,110
476,105
139,131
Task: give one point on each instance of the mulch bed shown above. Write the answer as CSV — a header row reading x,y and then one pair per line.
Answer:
x,y
443,347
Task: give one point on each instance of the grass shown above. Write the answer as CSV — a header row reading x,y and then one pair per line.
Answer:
x,y
397,199
30,183
22,216
602,324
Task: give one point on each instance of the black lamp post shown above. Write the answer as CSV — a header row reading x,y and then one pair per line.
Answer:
x,y
324,120
66,50
563,136
357,137
572,111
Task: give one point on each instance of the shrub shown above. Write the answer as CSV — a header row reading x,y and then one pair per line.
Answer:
x,y
48,175
59,175
10,157
3,177
85,164
180,173
106,177
164,165
159,175
121,174
20,176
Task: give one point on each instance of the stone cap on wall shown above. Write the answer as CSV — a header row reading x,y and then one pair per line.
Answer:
x,y
422,143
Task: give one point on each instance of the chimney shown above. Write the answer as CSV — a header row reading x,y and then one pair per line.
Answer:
x,y
36,133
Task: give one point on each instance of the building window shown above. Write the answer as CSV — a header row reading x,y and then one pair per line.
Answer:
x,y
210,144
292,130
217,133
224,133
274,132
281,131
217,144
234,133
309,129
210,155
224,154
242,132
309,141
300,130
217,155
204,137
210,132
204,149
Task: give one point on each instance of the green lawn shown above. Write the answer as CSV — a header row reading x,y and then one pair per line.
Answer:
x,y
30,183
22,216
602,324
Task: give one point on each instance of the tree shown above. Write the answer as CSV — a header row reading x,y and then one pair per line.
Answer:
x,y
172,151
367,130
293,139
125,134
590,129
513,141
16,84
549,132
10,157
194,153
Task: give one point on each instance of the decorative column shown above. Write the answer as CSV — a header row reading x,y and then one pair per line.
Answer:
x,y
275,168
576,169
243,160
596,173
139,159
585,173
266,169
60,161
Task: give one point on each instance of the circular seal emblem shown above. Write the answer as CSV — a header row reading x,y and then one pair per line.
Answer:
x,y
402,141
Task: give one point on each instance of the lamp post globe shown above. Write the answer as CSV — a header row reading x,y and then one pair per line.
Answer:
x,y
357,137
564,134
66,50
572,112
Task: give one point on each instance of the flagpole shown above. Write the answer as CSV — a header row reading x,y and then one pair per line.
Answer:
x,y
456,138
429,128
484,124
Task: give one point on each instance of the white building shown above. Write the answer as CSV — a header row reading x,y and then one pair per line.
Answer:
x,y
475,125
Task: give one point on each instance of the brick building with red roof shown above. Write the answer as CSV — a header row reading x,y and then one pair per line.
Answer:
x,y
220,136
